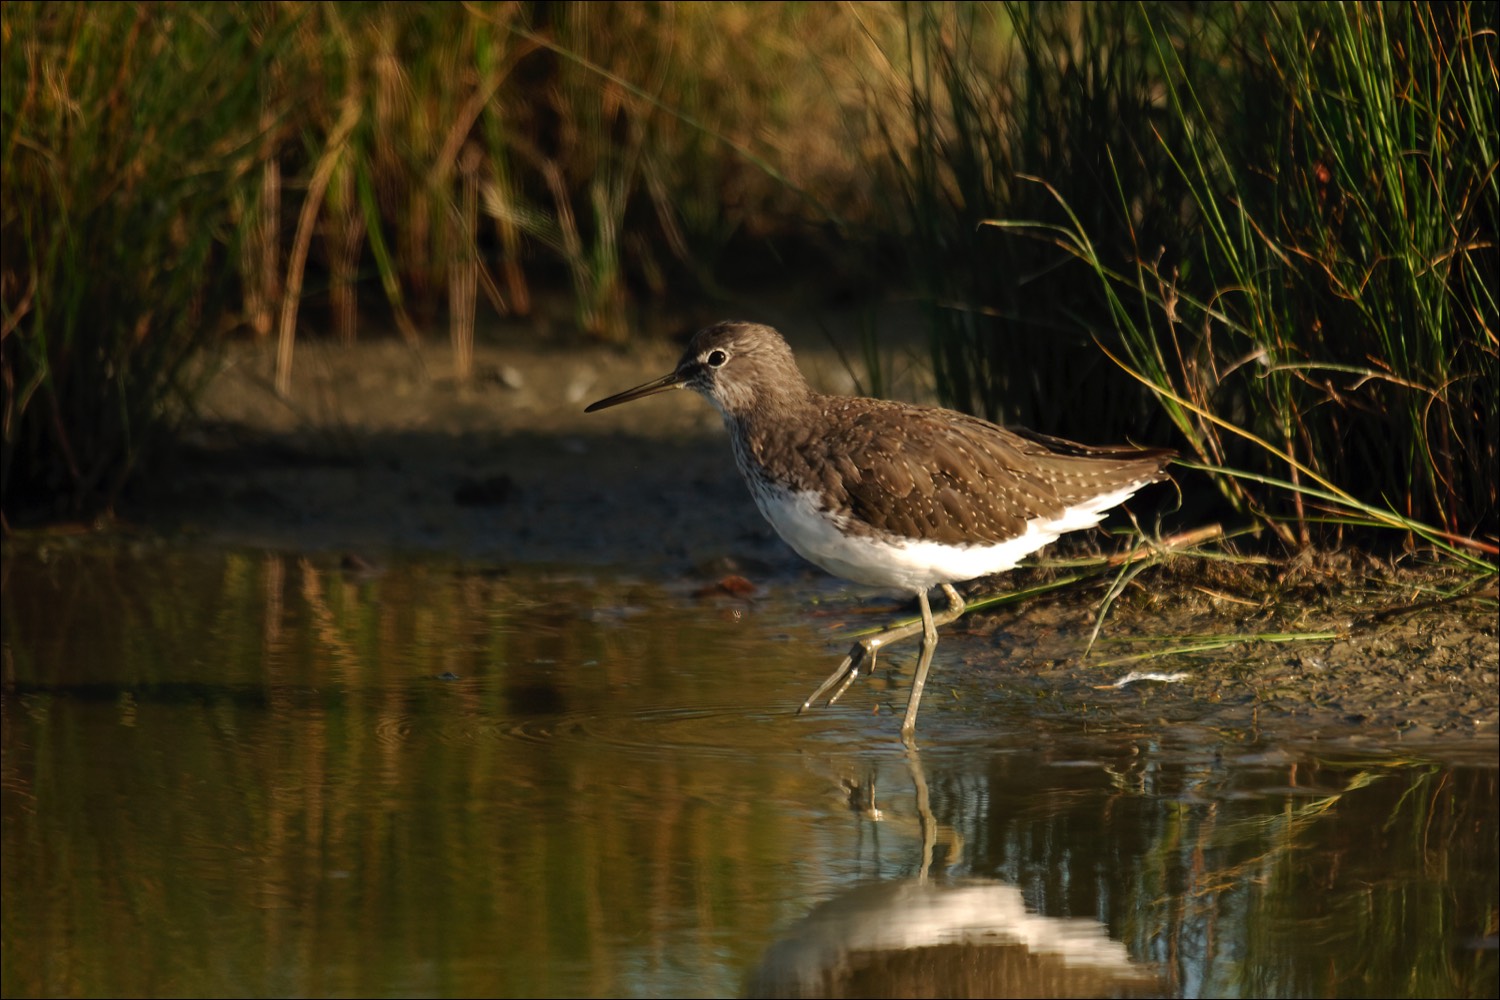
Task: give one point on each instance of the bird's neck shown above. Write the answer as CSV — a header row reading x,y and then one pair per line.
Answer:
x,y
779,422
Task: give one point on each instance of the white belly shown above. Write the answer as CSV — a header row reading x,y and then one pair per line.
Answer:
x,y
911,564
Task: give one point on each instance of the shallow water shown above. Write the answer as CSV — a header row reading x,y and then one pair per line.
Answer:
x,y
245,773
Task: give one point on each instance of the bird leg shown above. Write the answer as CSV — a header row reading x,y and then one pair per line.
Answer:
x,y
924,661
865,649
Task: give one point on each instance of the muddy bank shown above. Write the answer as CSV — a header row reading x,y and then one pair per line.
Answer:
x,y
1327,646
379,450
379,453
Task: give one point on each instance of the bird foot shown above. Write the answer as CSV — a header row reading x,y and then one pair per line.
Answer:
x,y
844,675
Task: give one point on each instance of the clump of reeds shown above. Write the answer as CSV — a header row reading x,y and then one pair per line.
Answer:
x,y
130,136
995,93
1344,300
1281,218
175,171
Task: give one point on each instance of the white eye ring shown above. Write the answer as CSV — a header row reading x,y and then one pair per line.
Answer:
x,y
716,359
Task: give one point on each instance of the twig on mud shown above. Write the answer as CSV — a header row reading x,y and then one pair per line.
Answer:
x,y
1181,540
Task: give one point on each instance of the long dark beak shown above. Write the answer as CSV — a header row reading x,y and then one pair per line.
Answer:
x,y
672,381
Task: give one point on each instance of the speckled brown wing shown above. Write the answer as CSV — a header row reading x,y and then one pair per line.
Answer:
x,y
915,473
1079,471
936,475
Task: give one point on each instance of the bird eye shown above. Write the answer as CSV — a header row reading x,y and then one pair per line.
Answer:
x,y
716,359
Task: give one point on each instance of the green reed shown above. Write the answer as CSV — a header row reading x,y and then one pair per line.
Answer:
x,y
129,136
996,93
1281,218
173,172
1339,309
1285,220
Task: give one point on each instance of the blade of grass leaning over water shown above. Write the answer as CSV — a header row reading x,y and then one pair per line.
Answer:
x,y
1332,288
1183,645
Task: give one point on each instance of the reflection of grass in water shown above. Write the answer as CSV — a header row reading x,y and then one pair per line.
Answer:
x,y
358,798
1334,894
1261,876
358,793
1428,823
